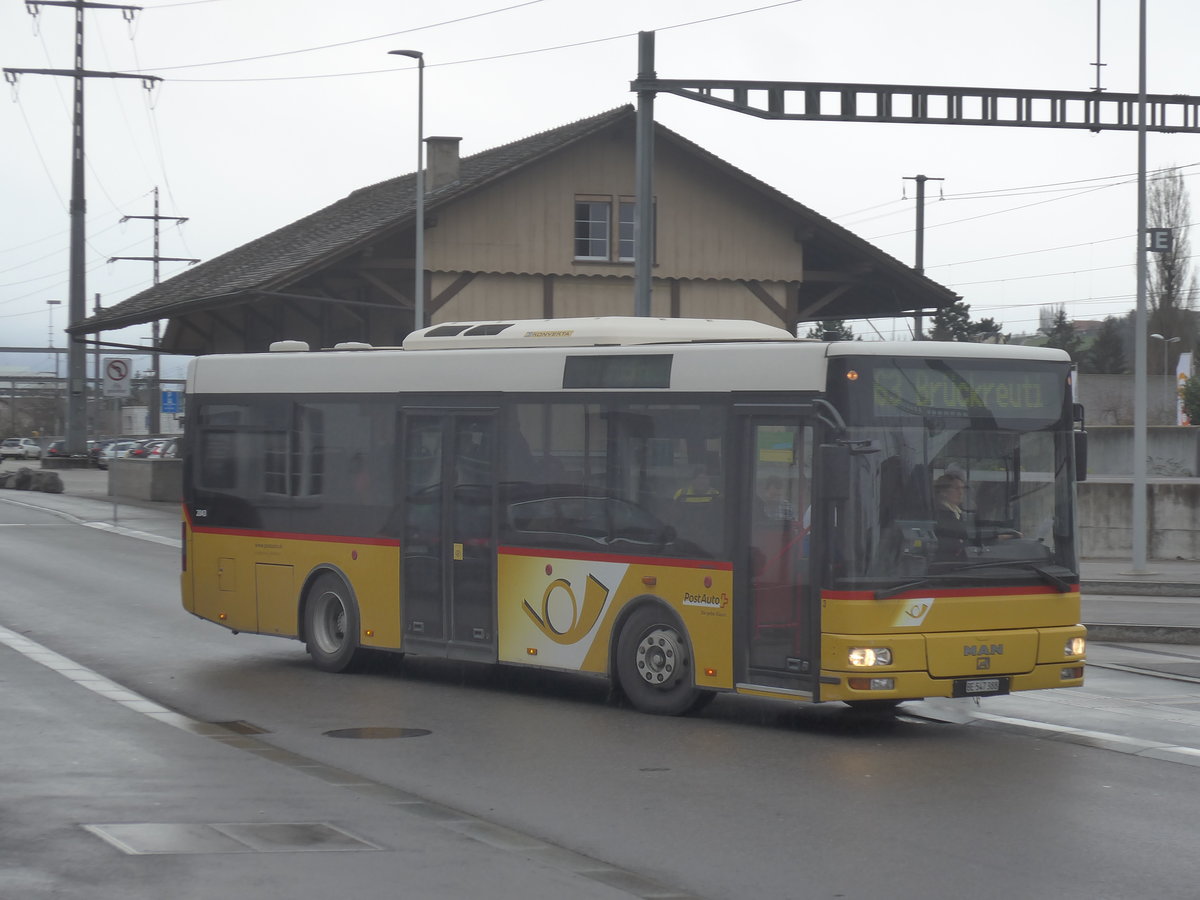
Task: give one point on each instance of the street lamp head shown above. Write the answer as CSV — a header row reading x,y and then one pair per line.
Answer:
x,y
412,54
53,302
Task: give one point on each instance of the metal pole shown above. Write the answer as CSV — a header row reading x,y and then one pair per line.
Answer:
x,y
74,434
1139,536
155,370
643,213
419,263
419,250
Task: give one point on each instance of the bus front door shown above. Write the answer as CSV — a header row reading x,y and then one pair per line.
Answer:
x,y
448,548
780,646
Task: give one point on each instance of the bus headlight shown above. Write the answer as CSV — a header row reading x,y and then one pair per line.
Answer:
x,y
870,656
1075,647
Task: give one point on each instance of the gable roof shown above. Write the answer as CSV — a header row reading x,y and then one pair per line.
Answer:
x,y
271,262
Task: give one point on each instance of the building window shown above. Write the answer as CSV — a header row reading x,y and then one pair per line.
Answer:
x,y
592,227
595,239
625,231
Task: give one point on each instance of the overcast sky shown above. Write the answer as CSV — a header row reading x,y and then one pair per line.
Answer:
x,y
272,109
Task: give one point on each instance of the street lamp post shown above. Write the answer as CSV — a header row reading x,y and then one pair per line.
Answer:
x,y
419,254
1167,342
50,304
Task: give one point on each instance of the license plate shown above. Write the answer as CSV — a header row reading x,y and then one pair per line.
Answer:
x,y
975,687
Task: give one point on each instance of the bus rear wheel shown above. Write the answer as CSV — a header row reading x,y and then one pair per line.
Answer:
x,y
654,664
331,624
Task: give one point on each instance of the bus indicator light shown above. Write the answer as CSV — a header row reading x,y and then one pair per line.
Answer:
x,y
1071,673
710,672
872,684
649,580
708,581
222,616
354,554
370,632
852,375
532,651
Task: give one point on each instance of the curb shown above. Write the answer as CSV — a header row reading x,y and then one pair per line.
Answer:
x,y
1143,634
1141,588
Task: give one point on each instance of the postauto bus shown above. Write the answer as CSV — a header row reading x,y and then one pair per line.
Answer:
x,y
686,507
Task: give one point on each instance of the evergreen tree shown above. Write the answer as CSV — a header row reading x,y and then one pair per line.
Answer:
x,y
988,331
1060,333
831,330
953,323
1106,356
1191,399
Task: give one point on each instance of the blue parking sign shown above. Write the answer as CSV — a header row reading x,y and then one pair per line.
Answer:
x,y
170,401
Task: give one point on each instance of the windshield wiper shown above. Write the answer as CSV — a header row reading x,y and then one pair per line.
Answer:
x,y
884,593
1056,581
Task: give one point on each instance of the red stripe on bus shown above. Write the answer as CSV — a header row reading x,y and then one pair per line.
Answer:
x,y
288,536
613,557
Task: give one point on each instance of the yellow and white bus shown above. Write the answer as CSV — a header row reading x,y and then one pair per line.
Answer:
x,y
687,507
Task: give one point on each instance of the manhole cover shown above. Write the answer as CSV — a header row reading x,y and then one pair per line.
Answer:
x,y
377,733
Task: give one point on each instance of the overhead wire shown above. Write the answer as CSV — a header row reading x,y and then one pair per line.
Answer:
x,y
459,62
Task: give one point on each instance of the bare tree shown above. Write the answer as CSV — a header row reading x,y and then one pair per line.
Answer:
x,y
1172,286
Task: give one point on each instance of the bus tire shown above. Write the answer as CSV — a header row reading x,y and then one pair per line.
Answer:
x,y
654,664
331,624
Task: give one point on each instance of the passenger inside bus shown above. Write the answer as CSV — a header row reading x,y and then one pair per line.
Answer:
x,y
699,488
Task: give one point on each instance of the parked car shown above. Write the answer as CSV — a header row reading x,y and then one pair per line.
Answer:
x,y
166,450
20,448
145,449
56,448
95,448
115,450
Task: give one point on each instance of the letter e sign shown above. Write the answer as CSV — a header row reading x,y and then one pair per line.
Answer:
x,y
1161,240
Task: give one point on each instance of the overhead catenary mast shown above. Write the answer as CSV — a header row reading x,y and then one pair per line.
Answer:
x,y
75,434
155,390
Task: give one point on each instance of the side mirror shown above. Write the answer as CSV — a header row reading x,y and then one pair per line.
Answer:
x,y
833,474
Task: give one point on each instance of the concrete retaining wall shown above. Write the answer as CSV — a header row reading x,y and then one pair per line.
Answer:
x,y
1171,451
1172,512
146,479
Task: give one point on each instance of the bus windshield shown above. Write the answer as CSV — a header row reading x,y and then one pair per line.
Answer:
x,y
961,472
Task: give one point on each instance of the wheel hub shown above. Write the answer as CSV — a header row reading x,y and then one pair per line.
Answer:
x,y
658,656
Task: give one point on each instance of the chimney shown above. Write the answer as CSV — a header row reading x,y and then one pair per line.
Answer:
x,y
441,161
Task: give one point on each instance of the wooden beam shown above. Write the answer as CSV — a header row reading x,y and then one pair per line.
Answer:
x,y
767,300
455,287
811,311
403,300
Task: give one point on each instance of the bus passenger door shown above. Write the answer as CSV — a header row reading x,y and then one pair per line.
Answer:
x,y
448,548
777,619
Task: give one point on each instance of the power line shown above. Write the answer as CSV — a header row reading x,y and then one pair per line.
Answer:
x,y
478,59
376,37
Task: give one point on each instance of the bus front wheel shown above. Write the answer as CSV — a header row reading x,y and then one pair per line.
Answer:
x,y
331,624
654,664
